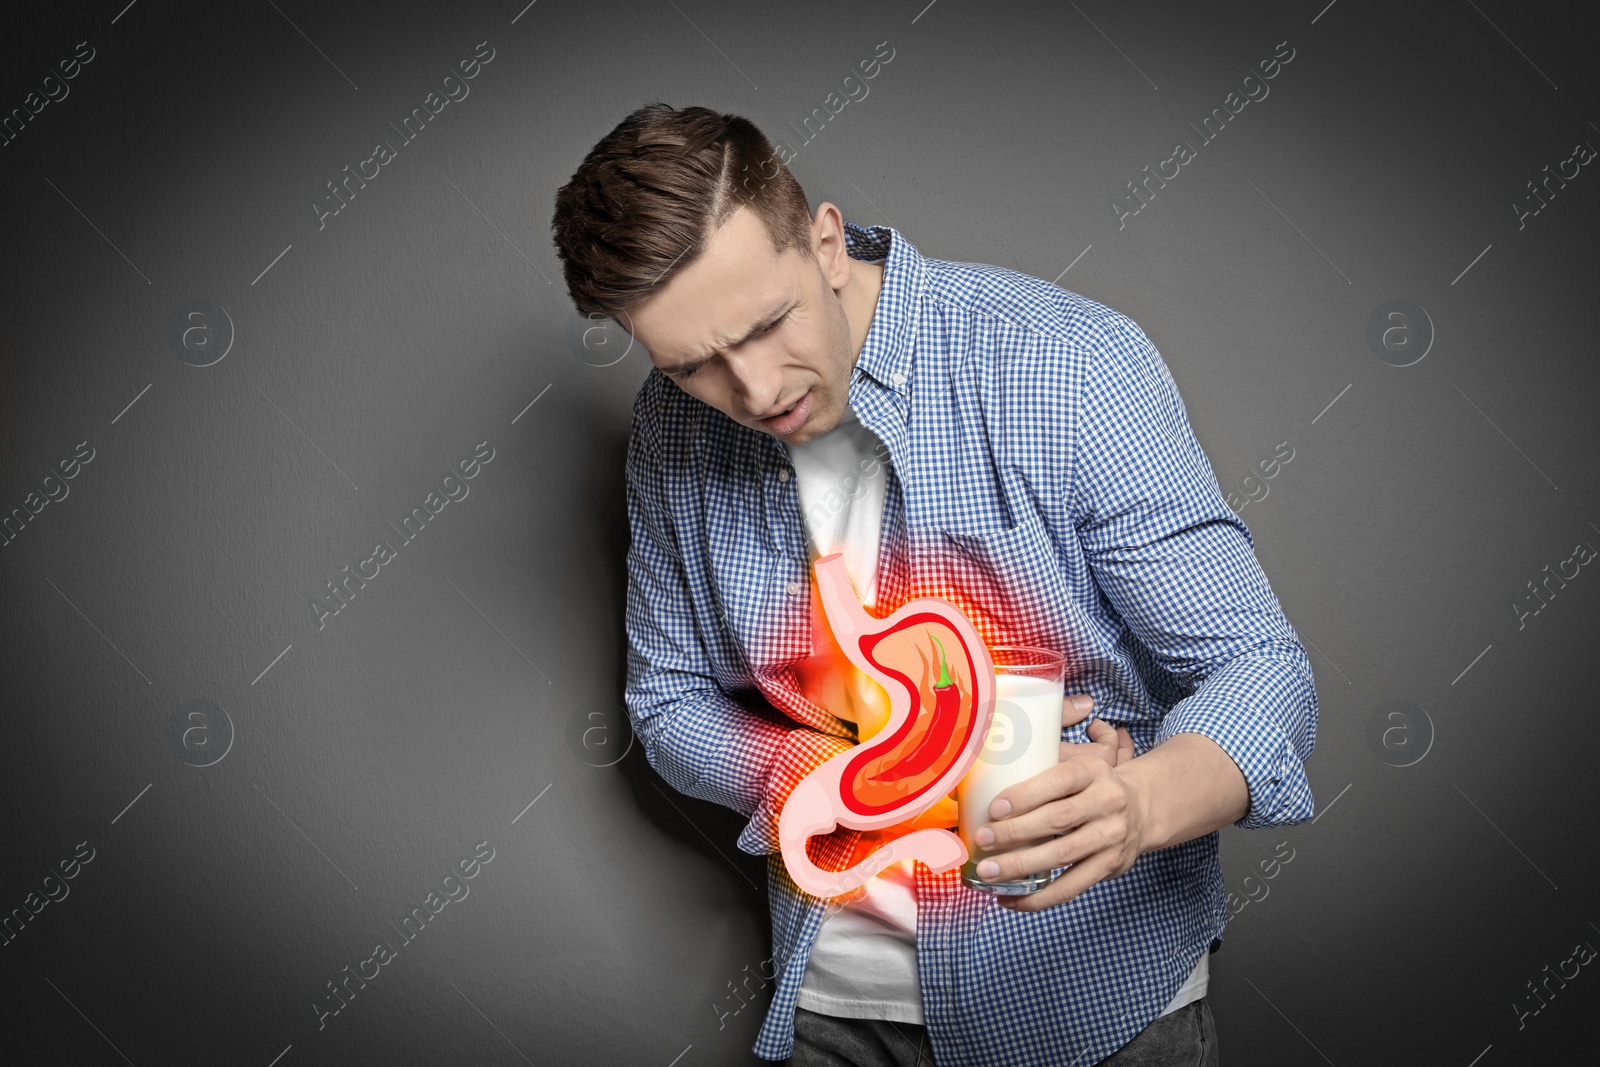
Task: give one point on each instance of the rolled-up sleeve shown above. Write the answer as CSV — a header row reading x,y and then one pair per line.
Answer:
x,y
701,740
1180,569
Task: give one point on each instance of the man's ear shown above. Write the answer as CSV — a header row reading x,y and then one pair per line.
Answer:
x,y
827,239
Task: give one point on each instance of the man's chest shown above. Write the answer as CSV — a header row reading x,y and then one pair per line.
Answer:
x,y
988,550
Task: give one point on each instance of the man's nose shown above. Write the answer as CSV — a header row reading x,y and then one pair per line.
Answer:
x,y
757,382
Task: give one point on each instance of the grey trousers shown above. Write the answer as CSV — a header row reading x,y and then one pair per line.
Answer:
x,y
1185,1038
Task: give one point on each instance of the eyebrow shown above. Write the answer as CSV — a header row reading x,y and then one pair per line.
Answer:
x,y
766,320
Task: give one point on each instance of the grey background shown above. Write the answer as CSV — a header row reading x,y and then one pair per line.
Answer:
x,y
482,670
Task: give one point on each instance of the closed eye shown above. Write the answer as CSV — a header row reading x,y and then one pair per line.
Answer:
x,y
688,370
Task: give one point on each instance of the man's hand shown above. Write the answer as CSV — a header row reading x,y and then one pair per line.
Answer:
x,y
1113,746
1100,818
1088,815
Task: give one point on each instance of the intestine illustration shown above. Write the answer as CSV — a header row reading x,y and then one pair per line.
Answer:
x,y
939,677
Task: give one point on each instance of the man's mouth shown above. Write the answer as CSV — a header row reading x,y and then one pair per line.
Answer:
x,y
790,419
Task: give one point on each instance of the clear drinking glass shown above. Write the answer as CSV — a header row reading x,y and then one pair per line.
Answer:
x,y
1024,740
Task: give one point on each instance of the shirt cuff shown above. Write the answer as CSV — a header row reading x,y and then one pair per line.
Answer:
x,y
1244,707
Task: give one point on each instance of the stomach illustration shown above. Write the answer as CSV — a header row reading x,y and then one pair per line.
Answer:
x,y
939,678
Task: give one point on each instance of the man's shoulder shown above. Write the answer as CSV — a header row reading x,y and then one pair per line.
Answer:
x,y
1039,328
651,396
1025,301
664,416
661,405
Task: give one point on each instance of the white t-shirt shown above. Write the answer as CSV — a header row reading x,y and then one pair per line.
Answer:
x,y
863,964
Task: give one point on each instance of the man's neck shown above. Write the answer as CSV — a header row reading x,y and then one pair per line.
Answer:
x,y
860,299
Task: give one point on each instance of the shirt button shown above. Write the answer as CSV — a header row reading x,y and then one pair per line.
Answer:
x,y
783,475
793,588
897,378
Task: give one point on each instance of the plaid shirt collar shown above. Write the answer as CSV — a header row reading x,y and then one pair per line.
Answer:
x,y
886,353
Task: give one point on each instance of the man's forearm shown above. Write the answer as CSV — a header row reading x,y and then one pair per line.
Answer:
x,y
1188,786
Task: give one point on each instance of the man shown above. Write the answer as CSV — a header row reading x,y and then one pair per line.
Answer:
x,y
959,430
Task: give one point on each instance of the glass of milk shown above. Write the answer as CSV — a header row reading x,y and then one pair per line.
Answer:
x,y
1024,740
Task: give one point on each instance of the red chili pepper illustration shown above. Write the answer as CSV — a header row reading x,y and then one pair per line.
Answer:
x,y
901,765
946,707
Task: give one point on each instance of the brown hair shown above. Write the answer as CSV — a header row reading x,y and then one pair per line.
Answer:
x,y
650,194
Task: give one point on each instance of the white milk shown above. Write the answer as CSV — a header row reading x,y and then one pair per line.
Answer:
x,y
1024,740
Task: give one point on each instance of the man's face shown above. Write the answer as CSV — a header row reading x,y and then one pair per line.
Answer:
x,y
753,333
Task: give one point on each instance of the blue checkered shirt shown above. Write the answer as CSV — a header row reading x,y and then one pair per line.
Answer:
x,y
1043,476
